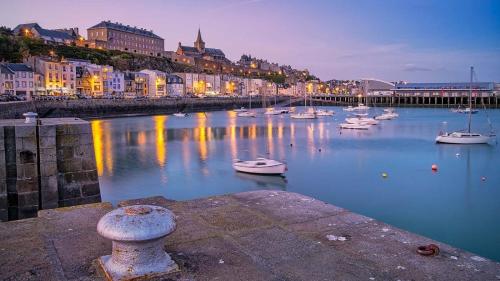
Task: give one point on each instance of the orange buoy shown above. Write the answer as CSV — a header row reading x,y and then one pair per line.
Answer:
x,y
434,167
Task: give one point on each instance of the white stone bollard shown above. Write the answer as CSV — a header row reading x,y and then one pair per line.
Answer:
x,y
138,234
30,117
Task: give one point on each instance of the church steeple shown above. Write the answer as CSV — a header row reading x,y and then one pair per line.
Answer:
x,y
199,44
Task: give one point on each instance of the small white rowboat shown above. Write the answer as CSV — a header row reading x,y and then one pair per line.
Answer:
x,y
261,166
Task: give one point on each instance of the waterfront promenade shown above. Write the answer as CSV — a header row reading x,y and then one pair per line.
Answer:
x,y
259,235
119,107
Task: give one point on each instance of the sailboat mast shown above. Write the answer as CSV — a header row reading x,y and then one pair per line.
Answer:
x,y
470,96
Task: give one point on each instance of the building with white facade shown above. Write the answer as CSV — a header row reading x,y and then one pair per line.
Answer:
x,y
136,84
113,82
157,83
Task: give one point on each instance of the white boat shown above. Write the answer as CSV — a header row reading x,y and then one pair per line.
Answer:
x,y
465,137
466,110
272,111
387,116
355,126
361,107
324,112
261,166
349,108
361,120
310,113
247,114
242,109
180,114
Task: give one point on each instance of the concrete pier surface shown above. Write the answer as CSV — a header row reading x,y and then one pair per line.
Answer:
x,y
258,235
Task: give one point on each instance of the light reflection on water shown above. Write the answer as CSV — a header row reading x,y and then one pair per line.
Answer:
x,y
185,158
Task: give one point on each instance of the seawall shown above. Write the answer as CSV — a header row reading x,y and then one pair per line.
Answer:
x,y
108,108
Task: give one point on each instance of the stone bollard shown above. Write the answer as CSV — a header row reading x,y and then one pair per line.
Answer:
x,y
138,234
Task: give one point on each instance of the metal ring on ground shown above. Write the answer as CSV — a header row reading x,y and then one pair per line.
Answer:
x,y
429,250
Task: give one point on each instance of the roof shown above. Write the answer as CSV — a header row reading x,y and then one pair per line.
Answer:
x,y
456,85
189,49
18,67
214,52
4,69
52,34
126,28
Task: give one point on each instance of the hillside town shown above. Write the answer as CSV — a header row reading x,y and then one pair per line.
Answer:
x,y
205,71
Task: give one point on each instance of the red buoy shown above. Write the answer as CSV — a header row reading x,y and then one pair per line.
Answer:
x,y
434,167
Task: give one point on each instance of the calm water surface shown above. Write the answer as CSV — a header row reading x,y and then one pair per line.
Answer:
x,y
185,158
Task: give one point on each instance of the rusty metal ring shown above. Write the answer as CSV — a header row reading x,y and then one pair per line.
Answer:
x,y
429,250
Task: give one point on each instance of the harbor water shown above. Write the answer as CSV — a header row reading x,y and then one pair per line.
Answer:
x,y
186,158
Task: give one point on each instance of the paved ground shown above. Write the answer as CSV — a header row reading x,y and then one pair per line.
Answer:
x,y
260,235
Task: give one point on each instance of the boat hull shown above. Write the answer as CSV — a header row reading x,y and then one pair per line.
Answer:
x,y
463,139
277,169
351,126
303,116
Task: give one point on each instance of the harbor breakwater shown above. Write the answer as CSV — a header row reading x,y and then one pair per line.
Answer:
x,y
121,107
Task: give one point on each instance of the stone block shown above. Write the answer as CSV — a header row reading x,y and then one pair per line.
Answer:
x,y
4,215
68,191
27,199
88,163
25,212
90,189
47,131
67,140
49,193
47,142
69,166
48,169
28,144
3,187
25,131
86,139
27,185
48,155
27,171
3,202
64,153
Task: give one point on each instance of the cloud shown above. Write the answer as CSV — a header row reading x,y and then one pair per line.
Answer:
x,y
410,67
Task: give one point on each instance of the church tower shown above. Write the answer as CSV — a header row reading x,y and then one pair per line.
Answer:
x,y
199,44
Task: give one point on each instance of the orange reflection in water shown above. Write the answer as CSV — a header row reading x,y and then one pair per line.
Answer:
x,y
103,147
200,134
161,148
270,143
97,136
232,133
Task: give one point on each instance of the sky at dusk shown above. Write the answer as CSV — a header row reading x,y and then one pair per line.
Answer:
x,y
413,40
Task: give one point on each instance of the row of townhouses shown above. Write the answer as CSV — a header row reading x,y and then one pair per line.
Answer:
x,y
45,76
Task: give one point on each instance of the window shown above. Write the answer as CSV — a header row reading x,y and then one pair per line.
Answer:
x,y
23,74
17,74
23,84
31,74
17,84
31,84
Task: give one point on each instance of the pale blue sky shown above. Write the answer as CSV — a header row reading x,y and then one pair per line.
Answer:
x,y
414,40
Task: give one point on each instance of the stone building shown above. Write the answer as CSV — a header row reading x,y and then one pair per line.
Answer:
x,y
200,51
6,81
17,79
57,36
175,86
116,36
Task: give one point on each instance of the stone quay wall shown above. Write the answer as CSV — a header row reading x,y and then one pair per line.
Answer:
x,y
46,165
109,108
